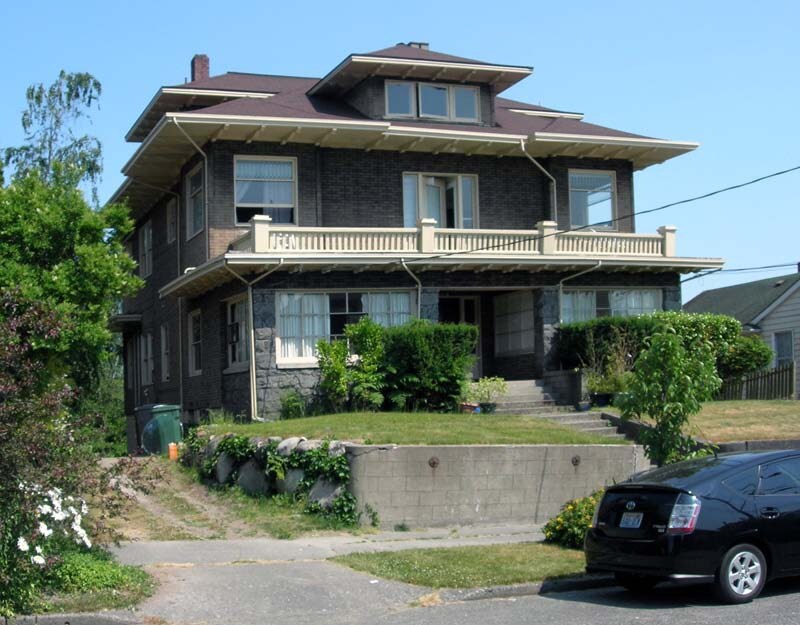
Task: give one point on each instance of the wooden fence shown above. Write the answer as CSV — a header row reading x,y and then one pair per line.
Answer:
x,y
769,384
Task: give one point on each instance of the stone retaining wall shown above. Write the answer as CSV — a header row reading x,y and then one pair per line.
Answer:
x,y
426,486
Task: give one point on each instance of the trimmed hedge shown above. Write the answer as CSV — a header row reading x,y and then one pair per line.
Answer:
x,y
596,343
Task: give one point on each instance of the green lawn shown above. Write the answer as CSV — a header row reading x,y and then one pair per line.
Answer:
x,y
420,428
470,567
724,421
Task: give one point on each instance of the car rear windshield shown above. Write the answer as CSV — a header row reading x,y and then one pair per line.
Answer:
x,y
679,472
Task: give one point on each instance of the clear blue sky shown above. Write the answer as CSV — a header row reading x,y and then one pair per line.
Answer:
x,y
725,74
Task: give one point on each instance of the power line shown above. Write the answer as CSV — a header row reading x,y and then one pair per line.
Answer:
x,y
740,270
540,237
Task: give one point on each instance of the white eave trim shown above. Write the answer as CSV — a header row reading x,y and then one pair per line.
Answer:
x,y
443,133
151,136
556,114
250,120
557,137
786,295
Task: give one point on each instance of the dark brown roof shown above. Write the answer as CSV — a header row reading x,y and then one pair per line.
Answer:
x,y
404,51
259,83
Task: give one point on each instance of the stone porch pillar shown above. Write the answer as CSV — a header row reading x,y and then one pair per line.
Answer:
x,y
545,305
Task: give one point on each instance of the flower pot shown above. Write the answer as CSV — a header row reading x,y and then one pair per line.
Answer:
x,y
488,407
583,406
601,400
469,407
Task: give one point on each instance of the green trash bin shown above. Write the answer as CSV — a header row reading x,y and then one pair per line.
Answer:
x,y
162,428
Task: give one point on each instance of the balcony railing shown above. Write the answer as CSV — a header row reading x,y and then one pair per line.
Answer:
x,y
265,238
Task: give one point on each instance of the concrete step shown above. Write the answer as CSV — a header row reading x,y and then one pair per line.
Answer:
x,y
528,401
597,429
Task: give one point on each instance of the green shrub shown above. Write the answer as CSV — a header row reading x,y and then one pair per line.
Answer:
x,y
745,355
486,390
427,364
293,405
569,527
600,343
88,571
237,447
334,383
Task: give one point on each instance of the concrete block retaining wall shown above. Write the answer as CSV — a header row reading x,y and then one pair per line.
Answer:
x,y
426,486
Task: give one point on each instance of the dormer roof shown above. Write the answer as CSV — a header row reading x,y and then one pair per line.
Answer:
x,y
414,62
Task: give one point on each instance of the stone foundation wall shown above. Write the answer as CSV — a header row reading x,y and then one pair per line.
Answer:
x,y
427,486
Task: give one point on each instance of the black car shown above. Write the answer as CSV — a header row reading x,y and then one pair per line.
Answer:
x,y
732,520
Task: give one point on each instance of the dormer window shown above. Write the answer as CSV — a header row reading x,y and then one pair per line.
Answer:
x,y
432,100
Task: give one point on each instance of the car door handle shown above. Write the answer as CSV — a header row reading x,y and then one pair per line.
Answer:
x,y
770,513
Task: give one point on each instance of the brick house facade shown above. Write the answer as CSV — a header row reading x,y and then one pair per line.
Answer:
x,y
271,210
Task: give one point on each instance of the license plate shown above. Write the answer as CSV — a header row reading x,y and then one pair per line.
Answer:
x,y
631,520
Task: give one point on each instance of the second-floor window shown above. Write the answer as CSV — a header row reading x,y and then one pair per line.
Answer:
x,y
146,249
266,186
450,199
592,198
164,352
146,359
433,100
195,202
172,220
238,332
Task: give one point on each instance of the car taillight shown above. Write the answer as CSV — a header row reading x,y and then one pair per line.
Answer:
x,y
683,518
596,514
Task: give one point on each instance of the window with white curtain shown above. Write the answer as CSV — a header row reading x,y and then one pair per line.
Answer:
x,y
265,186
146,359
450,199
592,198
513,323
146,249
238,332
303,319
195,202
583,305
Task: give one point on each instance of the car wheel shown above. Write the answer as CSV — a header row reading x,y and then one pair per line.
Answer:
x,y
636,583
742,574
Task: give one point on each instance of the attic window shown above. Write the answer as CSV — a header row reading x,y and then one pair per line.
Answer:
x,y
432,100
400,99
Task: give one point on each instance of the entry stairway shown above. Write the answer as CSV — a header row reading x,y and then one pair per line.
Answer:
x,y
533,398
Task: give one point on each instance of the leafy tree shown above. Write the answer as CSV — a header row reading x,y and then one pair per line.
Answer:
x,y
51,146
60,251
669,384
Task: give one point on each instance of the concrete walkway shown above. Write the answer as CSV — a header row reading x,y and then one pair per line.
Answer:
x,y
269,550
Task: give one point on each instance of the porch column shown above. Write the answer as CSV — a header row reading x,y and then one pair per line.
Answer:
x,y
429,306
545,305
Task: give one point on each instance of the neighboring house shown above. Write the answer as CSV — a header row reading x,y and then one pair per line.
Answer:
x,y
272,210
769,308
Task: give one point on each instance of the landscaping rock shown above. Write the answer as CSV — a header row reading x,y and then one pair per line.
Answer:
x,y
211,449
324,492
287,445
252,479
223,471
306,445
260,447
274,439
337,448
290,484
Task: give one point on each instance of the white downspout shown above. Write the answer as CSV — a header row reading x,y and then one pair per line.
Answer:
x,y
205,183
553,190
252,367
561,288
419,287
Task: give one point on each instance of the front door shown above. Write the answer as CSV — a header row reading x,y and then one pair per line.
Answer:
x,y
464,309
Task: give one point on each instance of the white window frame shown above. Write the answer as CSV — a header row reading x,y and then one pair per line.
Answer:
x,y
172,220
775,344
416,101
243,336
312,362
164,336
190,234
195,319
459,216
146,249
659,300
412,96
295,187
146,359
614,194
527,309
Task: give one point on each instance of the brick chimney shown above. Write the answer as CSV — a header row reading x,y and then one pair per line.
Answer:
x,y
200,67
